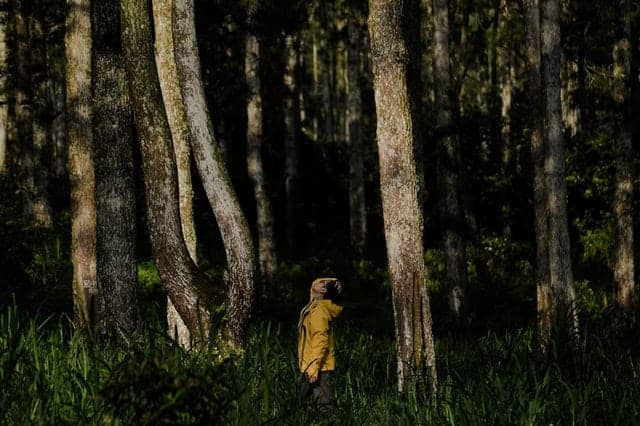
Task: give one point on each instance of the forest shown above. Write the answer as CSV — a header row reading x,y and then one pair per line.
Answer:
x,y
176,175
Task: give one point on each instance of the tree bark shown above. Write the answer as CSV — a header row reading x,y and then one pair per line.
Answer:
x,y
187,287
4,87
292,126
78,43
357,200
560,273
401,210
534,90
266,236
119,310
624,265
325,59
448,163
177,118
231,221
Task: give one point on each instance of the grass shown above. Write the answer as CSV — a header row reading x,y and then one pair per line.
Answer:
x,y
50,374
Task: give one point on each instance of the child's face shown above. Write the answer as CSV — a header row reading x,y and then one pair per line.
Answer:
x,y
320,287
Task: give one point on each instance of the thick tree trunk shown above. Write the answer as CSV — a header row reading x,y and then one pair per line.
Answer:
x,y
448,164
534,90
78,44
624,265
177,117
119,310
115,197
4,72
560,273
325,59
292,126
217,184
266,236
187,287
401,210
357,201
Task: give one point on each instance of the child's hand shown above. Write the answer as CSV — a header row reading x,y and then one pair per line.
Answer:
x,y
313,378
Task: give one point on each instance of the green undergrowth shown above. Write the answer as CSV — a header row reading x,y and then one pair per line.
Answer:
x,y
50,374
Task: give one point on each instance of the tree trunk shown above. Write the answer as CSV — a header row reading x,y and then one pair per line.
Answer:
x,y
177,118
571,114
266,239
4,87
187,287
534,90
119,310
401,210
357,201
560,273
78,44
448,164
624,265
292,126
231,221
325,59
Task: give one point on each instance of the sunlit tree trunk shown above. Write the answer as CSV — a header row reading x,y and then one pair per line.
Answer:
x,y
266,239
78,44
292,128
357,200
534,91
177,118
217,184
624,265
119,310
448,166
401,210
187,287
4,87
560,273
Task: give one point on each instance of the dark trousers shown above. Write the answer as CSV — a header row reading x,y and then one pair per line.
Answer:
x,y
320,391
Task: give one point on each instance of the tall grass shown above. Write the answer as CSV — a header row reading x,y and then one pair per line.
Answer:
x,y
52,375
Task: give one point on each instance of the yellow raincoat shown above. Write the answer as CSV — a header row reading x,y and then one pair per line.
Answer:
x,y
315,337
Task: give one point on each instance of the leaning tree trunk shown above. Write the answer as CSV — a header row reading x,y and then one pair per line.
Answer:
x,y
448,163
560,273
217,184
266,236
623,270
187,287
401,210
357,201
534,88
4,72
119,310
177,117
292,126
78,43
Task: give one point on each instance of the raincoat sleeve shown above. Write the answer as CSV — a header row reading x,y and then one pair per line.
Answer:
x,y
319,345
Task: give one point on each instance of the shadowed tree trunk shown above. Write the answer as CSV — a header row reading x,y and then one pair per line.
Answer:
x,y
266,239
560,273
115,188
231,221
177,118
325,59
624,266
357,201
448,163
401,210
292,126
534,90
187,287
78,44
4,71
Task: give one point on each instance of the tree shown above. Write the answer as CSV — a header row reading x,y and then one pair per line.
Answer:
x,y
448,165
4,87
357,200
325,59
266,236
560,273
187,287
177,117
78,45
292,129
119,310
217,184
401,210
623,270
